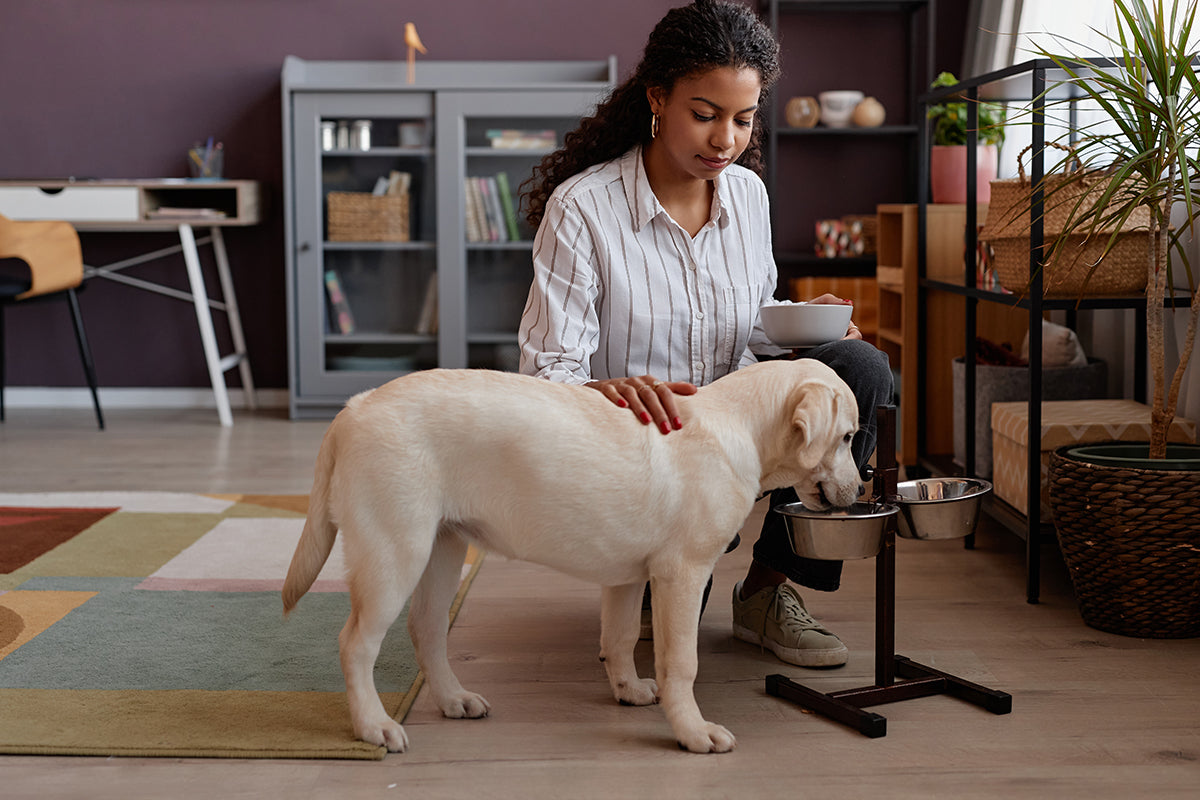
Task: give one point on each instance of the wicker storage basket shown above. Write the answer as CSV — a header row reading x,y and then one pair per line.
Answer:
x,y
1131,542
363,217
1006,231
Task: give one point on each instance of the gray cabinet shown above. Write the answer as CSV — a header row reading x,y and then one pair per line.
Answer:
x,y
434,272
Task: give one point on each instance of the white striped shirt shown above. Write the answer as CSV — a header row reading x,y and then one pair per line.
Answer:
x,y
620,289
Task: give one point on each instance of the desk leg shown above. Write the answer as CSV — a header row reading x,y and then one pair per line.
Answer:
x,y
234,316
208,336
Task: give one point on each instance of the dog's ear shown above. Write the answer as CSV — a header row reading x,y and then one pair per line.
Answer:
x,y
812,418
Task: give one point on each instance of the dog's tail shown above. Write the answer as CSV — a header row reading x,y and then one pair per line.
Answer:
x,y
316,541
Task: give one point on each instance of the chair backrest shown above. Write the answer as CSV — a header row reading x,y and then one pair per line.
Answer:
x,y
50,248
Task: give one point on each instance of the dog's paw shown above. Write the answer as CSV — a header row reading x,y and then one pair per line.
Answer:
x,y
640,692
389,734
709,738
465,705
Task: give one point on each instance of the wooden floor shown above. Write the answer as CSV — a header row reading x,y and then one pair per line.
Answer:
x,y
1094,715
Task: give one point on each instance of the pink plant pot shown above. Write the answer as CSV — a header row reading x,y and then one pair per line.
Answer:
x,y
948,173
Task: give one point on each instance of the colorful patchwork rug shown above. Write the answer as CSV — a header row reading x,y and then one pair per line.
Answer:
x,y
150,624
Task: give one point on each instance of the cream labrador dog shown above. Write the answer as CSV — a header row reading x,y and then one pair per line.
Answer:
x,y
558,475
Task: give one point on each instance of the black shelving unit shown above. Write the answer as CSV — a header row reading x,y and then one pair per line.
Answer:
x,y
1029,82
921,15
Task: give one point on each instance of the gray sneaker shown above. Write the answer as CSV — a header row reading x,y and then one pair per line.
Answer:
x,y
776,618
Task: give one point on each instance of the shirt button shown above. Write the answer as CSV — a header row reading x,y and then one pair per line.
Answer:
x,y
699,315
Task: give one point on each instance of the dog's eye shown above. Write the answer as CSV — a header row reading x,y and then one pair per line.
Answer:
x,y
848,438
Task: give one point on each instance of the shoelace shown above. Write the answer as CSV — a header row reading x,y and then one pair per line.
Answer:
x,y
794,617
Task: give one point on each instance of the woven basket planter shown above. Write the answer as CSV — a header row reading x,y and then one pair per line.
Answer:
x,y
1130,538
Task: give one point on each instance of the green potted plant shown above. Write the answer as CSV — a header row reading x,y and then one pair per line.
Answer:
x,y
1126,513
948,158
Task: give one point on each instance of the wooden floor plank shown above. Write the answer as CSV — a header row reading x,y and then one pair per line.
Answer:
x,y
1095,715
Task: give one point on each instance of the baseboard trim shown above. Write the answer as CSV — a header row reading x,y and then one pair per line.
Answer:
x,y
135,397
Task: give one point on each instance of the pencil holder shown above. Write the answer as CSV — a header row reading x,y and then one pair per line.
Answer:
x,y
206,162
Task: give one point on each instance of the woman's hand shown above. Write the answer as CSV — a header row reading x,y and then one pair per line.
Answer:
x,y
650,399
852,332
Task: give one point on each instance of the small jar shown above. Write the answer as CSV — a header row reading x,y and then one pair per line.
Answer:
x,y
343,135
360,134
328,135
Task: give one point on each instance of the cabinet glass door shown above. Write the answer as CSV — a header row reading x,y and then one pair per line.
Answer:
x,y
366,239
500,137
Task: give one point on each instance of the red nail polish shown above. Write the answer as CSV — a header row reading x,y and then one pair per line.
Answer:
x,y
621,403
644,416
664,427
677,422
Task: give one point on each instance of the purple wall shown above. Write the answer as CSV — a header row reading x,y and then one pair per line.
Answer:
x,y
121,88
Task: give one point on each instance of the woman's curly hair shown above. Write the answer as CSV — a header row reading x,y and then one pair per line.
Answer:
x,y
687,41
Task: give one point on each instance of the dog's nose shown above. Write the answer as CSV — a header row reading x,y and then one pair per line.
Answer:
x,y
862,489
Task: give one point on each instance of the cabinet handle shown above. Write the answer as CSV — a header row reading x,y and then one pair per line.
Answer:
x,y
304,247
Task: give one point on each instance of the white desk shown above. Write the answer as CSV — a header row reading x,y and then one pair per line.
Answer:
x,y
177,205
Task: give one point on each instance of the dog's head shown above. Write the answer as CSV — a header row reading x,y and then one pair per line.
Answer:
x,y
824,417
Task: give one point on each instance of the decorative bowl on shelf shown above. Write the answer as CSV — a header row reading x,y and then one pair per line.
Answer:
x,y
802,112
837,107
805,324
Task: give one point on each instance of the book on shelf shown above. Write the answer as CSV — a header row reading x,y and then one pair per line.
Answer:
x,y
522,139
427,322
490,209
341,319
509,205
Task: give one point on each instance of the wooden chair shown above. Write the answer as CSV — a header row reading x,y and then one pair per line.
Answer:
x,y
54,261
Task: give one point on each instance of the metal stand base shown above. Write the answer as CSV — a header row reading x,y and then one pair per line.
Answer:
x,y
918,680
847,706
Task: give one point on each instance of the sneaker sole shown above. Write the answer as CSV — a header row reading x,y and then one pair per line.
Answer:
x,y
829,657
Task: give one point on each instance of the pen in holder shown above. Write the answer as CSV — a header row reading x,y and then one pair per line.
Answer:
x,y
205,161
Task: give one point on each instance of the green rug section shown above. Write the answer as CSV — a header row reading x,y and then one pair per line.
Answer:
x,y
95,659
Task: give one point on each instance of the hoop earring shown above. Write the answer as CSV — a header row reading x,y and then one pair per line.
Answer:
x,y
653,125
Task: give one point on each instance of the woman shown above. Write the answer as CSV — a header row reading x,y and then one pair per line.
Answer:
x,y
653,256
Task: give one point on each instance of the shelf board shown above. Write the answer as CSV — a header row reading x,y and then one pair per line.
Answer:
x,y
892,335
523,244
1049,303
850,5
882,130
810,264
890,278
366,337
505,152
376,152
492,337
352,246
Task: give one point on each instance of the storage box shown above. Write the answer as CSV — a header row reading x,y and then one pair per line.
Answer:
x,y
1063,423
996,384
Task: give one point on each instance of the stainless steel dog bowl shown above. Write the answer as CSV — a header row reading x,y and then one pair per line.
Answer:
x,y
940,508
837,534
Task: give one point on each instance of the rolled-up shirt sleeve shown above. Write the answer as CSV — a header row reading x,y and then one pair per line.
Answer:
x,y
560,325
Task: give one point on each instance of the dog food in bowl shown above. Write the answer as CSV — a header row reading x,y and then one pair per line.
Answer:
x,y
805,324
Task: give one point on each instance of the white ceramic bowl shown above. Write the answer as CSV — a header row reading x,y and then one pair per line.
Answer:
x,y
805,324
837,107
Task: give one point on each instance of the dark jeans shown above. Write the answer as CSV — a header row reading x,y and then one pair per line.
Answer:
x,y
865,369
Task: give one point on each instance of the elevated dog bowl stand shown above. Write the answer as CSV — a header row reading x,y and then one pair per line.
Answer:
x,y
896,677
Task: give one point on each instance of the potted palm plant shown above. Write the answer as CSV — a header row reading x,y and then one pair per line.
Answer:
x,y
1126,513
948,158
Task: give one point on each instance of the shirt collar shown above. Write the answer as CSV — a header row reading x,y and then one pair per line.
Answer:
x,y
645,205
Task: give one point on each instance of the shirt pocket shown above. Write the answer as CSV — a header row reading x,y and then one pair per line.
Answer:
x,y
739,309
